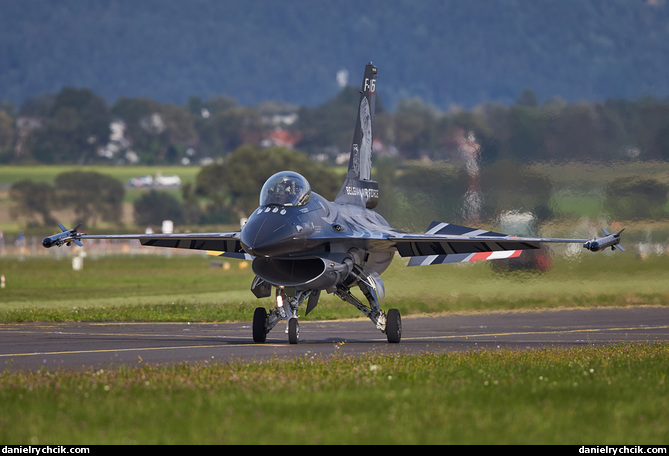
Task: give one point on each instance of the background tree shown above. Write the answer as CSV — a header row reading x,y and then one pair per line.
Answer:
x,y
235,183
192,213
154,207
422,194
226,129
76,126
33,199
510,186
156,133
636,198
329,127
92,196
415,128
7,133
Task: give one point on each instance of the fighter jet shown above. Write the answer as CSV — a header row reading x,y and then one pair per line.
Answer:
x,y
301,244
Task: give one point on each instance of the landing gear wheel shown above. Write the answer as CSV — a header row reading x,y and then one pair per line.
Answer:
x,y
394,326
259,321
293,331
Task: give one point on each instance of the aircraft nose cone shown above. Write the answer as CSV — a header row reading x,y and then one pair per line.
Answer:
x,y
268,234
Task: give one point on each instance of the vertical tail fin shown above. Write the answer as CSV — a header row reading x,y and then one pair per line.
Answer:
x,y
358,188
360,162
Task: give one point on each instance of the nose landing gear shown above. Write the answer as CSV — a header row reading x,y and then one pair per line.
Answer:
x,y
285,309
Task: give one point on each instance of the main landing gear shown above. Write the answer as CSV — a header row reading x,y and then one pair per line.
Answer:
x,y
286,309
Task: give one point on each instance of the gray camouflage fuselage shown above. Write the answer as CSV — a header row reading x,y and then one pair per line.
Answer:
x,y
305,246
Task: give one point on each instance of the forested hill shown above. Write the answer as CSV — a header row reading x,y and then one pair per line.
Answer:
x,y
447,52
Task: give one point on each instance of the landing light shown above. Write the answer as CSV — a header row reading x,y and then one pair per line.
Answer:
x,y
279,301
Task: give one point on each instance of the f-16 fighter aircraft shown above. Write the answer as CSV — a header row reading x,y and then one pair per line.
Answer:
x,y
301,244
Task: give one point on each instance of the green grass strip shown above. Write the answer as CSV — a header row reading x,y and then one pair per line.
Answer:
x,y
614,395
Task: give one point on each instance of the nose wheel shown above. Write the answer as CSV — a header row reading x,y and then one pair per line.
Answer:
x,y
293,330
285,309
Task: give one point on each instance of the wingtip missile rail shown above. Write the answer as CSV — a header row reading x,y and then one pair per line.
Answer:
x,y
609,240
65,237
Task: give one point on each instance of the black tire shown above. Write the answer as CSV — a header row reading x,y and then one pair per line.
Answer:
x,y
293,331
394,326
259,321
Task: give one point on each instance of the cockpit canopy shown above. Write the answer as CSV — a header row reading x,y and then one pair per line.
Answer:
x,y
286,188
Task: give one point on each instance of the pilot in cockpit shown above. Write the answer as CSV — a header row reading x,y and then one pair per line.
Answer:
x,y
286,188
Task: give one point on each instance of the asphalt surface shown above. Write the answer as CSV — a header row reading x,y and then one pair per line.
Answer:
x,y
32,346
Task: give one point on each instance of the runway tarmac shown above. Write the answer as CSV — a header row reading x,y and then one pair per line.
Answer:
x,y
97,345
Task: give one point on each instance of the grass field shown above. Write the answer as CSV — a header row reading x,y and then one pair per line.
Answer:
x,y
609,395
187,288
47,173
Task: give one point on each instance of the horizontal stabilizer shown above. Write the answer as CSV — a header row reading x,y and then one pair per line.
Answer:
x,y
463,257
458,230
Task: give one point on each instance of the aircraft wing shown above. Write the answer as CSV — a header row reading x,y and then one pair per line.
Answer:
x,y
448,243
223,244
